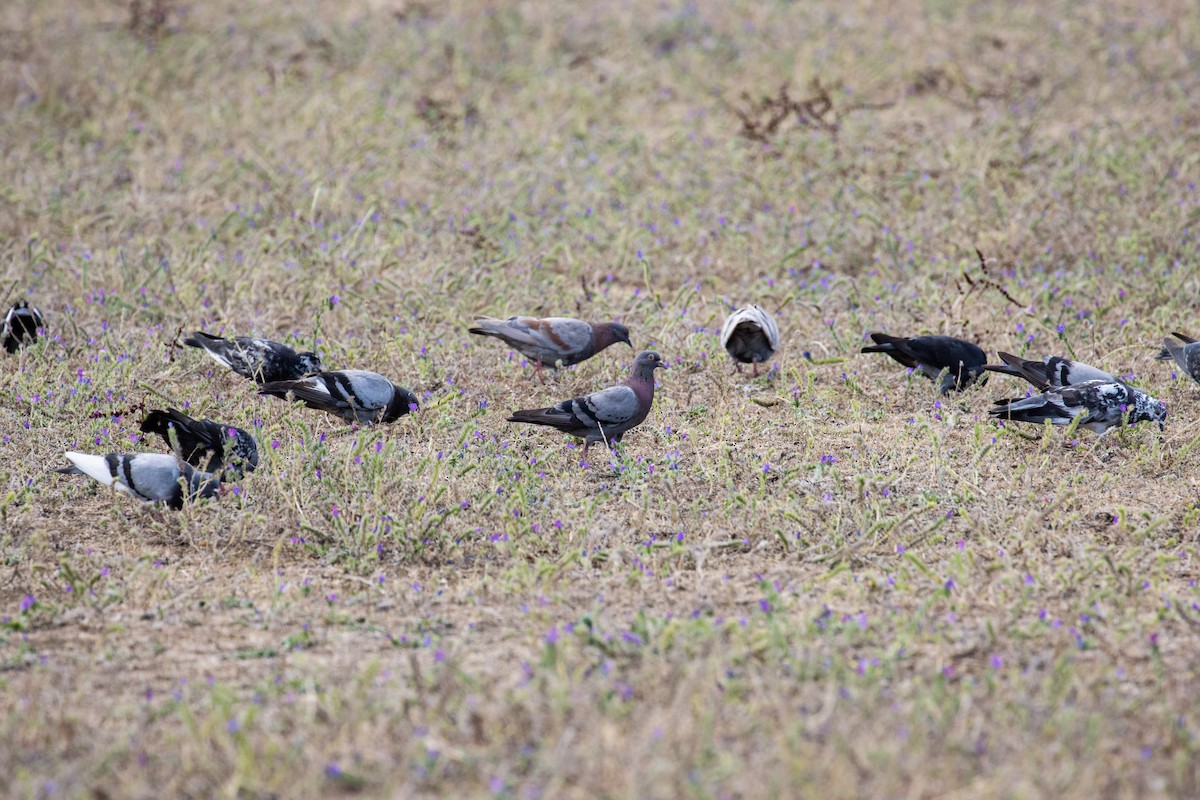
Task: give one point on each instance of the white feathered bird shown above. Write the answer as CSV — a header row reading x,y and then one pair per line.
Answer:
x,y
751,336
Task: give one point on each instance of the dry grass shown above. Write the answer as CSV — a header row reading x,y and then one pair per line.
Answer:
x,y
822,582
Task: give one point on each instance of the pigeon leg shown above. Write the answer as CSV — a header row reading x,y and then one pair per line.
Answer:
x,y
754,373
541,377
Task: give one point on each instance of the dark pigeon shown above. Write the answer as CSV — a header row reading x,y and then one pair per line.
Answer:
x,y
959,363
353,394
751,336
152,477
1186,355
1101,404
603,415
261,360
1052,372
550,341
21,326
209,446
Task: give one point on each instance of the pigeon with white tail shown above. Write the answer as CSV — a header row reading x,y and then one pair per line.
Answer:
x,y
152,477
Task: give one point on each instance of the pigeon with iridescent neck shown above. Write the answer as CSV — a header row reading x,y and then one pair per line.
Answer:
x,y
551,341
603,416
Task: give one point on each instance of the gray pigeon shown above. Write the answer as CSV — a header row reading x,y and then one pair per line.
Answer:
x,y
1186,355
959,363
1052,372
207,445
21,326
751,336
152,477
1102,404
353,394
605,415
551,340
261,360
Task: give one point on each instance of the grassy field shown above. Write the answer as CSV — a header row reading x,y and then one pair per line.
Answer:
x,y
823,582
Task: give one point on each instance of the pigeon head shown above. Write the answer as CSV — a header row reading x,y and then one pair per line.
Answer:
x,y
310,362
645,364
610,333
1147,409
243,454
200,484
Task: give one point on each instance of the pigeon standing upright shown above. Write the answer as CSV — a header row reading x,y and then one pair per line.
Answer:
x,y
206,445
751,336
21,326
1186,355
261,360
355,395
152,477
552,340
1052,372
959,363
1101,404
605,415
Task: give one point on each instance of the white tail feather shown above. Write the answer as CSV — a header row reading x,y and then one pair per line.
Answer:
x,y
95,467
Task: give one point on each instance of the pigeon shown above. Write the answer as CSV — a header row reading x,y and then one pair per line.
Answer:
x,y
1102,404
261,360
206,445
152,477
605,415
21,326
962,362
353,394
1186,355
1052,372
751,336
551,340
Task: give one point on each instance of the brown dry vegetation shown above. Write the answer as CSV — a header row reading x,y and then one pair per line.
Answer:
x,y
823,582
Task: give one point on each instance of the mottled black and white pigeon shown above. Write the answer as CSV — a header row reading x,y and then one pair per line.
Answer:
x,y
210,446
959,363
1102,404
261,360
152,477
1052,372
353,394
605,415
1186,355
21,326
552,340
751,336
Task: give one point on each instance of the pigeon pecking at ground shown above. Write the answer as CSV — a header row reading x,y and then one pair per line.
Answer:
x,y
1101,404
605,415
206,445
1186,355
355,395
959,363
21,326
1052,372
551,340
751,336
261,360
152,477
